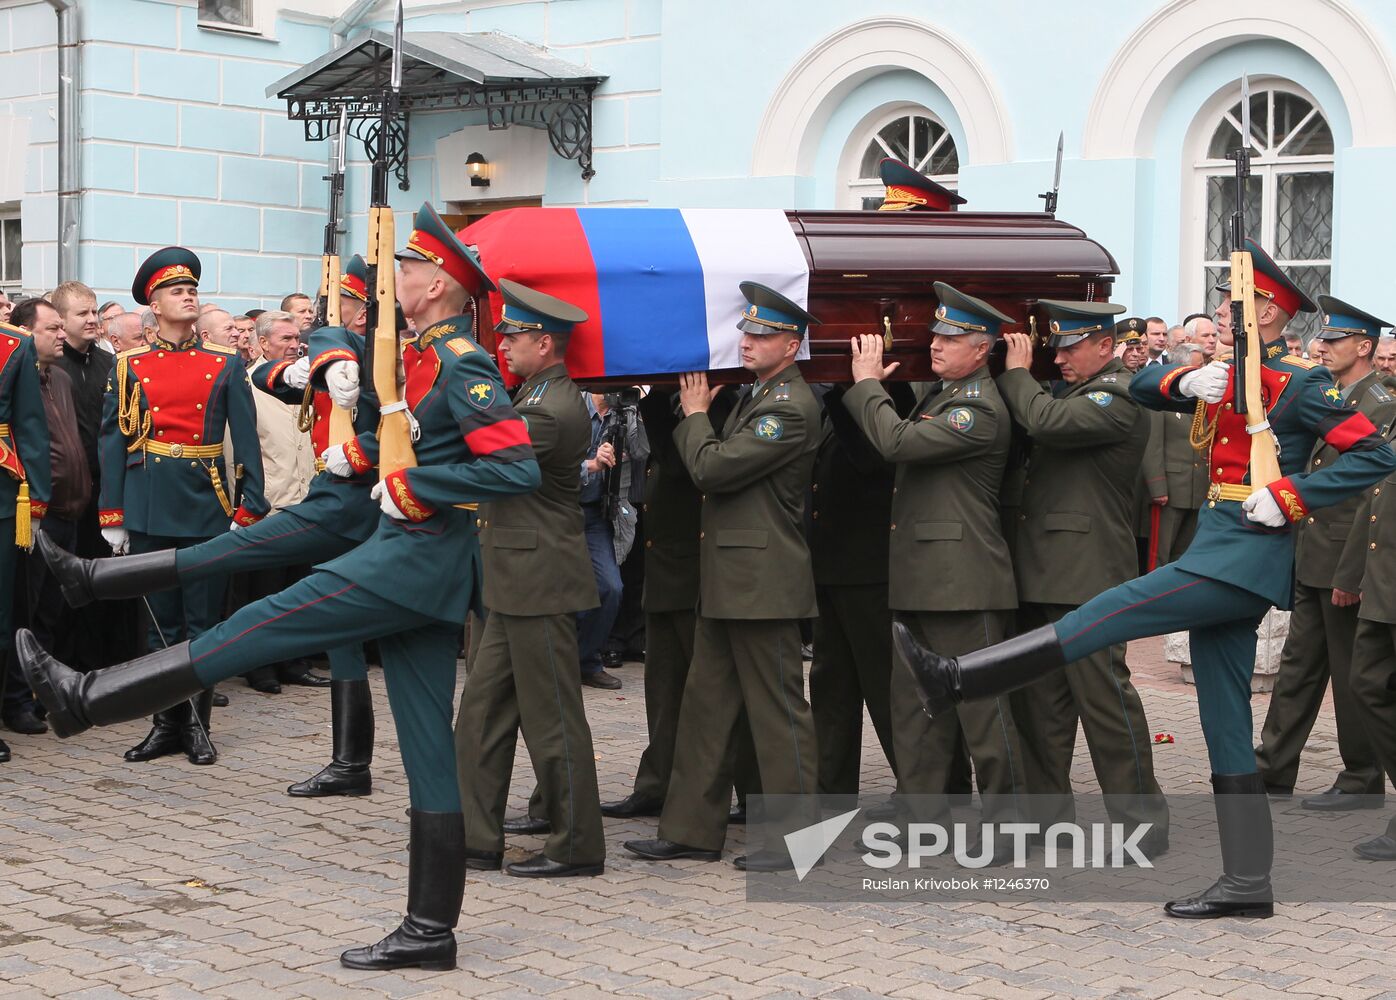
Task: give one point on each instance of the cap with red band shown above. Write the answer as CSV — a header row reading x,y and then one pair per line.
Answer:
x,y
909,189
1275,285
165,267
432,240
354,281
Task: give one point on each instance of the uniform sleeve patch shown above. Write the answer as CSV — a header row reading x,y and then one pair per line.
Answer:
x,y
960,418
1334,393
769,428
1100,398
480,394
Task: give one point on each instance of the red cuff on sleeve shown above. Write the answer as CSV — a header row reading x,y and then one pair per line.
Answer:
x,y
401,491
1165,384
1286,494
242,517
358,461
331,356
274,375
37,509
111,518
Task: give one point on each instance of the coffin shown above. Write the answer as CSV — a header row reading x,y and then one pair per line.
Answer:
x,y
864,272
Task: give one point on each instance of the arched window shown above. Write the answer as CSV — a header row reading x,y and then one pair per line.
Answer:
x,y
912,135
1289,196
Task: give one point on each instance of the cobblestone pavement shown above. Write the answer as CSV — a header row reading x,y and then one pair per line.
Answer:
x,y
167,880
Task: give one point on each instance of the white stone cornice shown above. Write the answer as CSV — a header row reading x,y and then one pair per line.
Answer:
x,y
796,113
1180,35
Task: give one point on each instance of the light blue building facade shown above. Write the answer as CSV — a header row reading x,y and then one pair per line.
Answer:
x,y
778,103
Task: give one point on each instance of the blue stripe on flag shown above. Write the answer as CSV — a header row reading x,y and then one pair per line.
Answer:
x,y
650,284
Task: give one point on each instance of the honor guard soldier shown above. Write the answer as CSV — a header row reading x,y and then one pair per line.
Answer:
x,y
672,508
409,586
909,190
1239,566
1076,538
755,585
950,575
1173,483
537,577
24,470
164,483
1330,555
336,515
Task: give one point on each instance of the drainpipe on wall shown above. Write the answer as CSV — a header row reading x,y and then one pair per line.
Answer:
x,y
69,149
339,32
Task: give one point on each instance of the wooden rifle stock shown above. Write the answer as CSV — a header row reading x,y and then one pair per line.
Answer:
x,y
1265,456
394,429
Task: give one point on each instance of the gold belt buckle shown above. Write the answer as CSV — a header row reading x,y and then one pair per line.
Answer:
x,y
1214,492
176,450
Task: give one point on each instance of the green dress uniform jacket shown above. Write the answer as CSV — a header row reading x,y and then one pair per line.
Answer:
x,y
24,444
755,564
536,560
163,421
673,510
1075,534
949,553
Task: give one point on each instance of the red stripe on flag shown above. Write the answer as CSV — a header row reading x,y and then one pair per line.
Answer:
x,y
1349,432
547,250
497,437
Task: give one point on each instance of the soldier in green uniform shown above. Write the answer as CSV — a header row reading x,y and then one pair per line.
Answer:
x,y
1239,565
164,483
672,510
950,576
537,577
1075,538
1330,553
755,585
25,473
1173,486
409,586
335,516
851,500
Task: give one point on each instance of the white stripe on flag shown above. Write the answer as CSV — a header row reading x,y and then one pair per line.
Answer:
x,y
736,245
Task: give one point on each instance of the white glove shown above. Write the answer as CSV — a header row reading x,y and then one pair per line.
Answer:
x,y
298,374
1261,508
336,461
233,526
119,540
342,383
1208,383
386,502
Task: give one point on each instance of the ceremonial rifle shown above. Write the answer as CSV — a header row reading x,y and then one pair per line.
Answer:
x,y
327,304
1050,197
1245,331
394,426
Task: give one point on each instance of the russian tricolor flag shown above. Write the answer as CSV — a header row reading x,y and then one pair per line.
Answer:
x,y
659,284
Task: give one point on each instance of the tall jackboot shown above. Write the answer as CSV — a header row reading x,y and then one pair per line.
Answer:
x,y
351,727
86,580
194,738
435,887
945,681
1247,850
119,693
164,736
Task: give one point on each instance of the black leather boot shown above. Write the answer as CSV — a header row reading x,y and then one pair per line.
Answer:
x,y
195,739
351,726
1247,849
945,681
164,737
119,693
435,886
86,580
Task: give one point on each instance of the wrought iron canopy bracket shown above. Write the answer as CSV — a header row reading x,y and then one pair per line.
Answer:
x,y
564,110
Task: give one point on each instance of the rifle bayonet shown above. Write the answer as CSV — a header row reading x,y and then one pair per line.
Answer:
x,y
1050,198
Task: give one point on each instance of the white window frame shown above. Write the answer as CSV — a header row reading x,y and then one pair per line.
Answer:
x,y
262,21
12,288
852,189
1199,167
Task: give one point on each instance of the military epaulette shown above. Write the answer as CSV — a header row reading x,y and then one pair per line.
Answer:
x,y
536,394
973,391
219,348
460,345
782,393
135,351
18,331
1379,393
1110,379
1298,362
